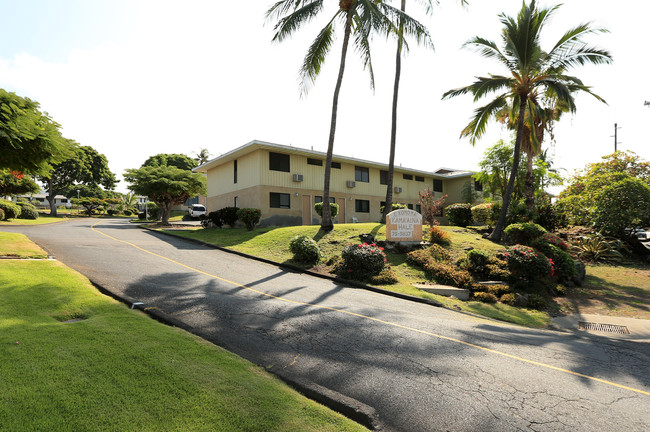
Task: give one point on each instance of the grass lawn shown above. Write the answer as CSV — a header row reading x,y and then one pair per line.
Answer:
x,y
273,243
19,246
42,219
117,369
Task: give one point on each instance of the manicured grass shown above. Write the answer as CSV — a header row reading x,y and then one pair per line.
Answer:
x,y
273,243
42,220
19,246
117,369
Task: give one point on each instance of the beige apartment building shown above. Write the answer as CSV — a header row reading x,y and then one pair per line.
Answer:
x,y
285,182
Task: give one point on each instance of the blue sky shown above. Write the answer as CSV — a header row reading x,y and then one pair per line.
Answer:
x,y
139,77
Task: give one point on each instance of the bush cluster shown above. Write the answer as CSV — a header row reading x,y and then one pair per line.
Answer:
x,y
11,210
439,236
334,209
482,214
394,206
230,215
305,249
524,262
249,217
563,264
2,215
459,214
438,253
523,233
447,274
485,297
27,210
362,261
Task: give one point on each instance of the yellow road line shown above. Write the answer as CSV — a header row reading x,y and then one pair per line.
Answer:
x,y
389,323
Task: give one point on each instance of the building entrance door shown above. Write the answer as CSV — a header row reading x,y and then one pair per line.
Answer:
x,y
306,209
342,216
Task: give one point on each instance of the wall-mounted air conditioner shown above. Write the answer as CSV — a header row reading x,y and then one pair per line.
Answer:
x,y
351,183
297,177
398,189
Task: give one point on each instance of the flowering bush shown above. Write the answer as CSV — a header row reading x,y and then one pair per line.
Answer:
x,y
249,217
305,249
555,241
523,233
563,264
524,262
363,260
459,214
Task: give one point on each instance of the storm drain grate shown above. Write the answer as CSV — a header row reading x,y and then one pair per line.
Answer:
x,y
610,328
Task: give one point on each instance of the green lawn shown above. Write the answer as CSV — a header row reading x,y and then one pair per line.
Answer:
x,y
273,243
117,369
42,219
19,246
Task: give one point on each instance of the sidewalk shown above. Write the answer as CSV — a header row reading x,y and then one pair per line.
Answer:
x,y
632,329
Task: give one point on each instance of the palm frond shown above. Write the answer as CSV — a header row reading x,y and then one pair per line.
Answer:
x,y
476,127
487,49
410,27
315,56
290,23
283,7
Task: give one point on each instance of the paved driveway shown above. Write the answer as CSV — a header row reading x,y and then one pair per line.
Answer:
x,y
420,367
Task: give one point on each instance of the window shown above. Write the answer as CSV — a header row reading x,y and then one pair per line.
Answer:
x,y
383,177
407,176
280,200
318,199
236,201
418,208
279,162
410,206
332,200
235,171
316,162
362,206
361,174
437,185
336,165
478,186
64,200
419,178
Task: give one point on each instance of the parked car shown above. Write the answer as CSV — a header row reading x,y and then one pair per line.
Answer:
x,y
196,210
643,234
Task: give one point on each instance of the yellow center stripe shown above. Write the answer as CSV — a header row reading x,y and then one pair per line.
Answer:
x,y
381,321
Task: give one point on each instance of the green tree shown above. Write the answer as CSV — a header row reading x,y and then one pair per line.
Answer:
x,y
173,159
532,71
495,168
622,205
202,156
360,18
86,167
30,141
12,183
166,186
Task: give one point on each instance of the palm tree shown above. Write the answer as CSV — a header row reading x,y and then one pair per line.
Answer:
x,y
532,71
202,156
360,18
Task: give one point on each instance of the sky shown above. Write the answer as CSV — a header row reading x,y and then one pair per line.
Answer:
x,y
134,78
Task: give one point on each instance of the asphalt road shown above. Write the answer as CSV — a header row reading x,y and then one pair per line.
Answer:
x,y
420,367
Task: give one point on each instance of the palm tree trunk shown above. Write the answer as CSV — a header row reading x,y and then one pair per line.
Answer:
x,y
393,131
326,222
51,197
498,229
529,183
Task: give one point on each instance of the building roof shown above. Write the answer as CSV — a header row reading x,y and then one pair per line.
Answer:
x,y
263,145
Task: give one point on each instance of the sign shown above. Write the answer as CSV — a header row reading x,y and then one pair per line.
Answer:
x,y
404,225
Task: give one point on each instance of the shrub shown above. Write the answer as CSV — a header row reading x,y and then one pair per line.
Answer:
x,y
549,216
418,257
509,299
447,274
622,205
11,210
477,260
536,301
394,206
439,236
524,262
485,297
228,215
27,210
128,212
362,261
214,217
495,272
431,207
334,209
305,249
523,233
482,213
563,264
438,253
499,289
386,277
2,215
249,217
597,247
555,241
459,214
142,216
112,212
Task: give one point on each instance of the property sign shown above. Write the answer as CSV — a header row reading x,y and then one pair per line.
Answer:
x,y
404,225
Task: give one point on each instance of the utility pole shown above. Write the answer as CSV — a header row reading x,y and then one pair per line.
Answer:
x,y
616,143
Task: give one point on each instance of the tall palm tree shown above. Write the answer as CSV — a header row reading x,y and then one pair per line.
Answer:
x,y
531,70
360,19
202,156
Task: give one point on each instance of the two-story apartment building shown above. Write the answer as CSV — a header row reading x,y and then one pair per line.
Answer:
x,y
285,182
